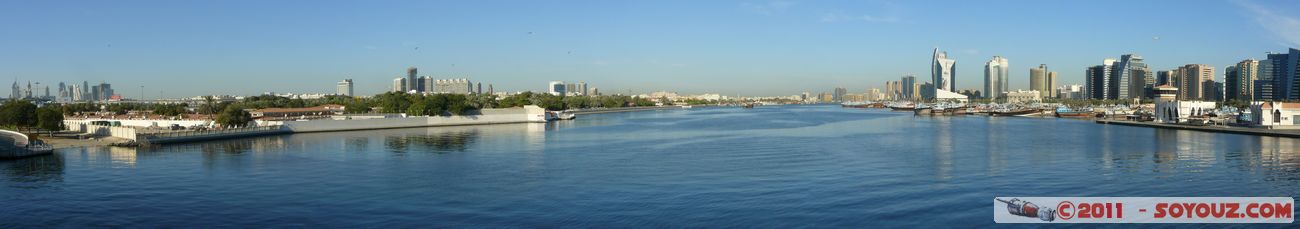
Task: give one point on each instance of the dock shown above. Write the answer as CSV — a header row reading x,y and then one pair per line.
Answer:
x,y
1216,129
621,109
204,135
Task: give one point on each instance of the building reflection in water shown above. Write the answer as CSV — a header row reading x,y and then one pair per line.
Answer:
x,y
1194,148
445,142
943,146
995,131
1278,156
1166,156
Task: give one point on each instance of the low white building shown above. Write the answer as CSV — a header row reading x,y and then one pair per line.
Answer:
x,y
1275,115
1176,111
1022,96
945,95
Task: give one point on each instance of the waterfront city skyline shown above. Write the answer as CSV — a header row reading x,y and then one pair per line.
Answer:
x,y
180,49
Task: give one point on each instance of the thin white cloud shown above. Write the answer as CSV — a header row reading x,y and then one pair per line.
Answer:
x,y
835,17
767,8
1284,27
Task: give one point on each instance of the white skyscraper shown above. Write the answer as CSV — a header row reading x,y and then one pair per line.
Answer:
x,y
399,84
344,87
995,77
943,71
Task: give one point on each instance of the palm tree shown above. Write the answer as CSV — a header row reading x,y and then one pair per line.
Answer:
x,y
207,100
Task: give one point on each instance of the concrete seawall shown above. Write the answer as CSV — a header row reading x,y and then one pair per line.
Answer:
x,y
527,114
621,109
481,117
1231,130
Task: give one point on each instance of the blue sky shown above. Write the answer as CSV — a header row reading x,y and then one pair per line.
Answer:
x,y
187,48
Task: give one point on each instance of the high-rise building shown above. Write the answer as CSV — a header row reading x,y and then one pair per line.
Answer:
x,y
86,94
63,92
582,88
908,84
1231,87
838,94
411,84
94,93
1051,85
1132,74
1166,77
1285,71
943,72
1270,70
1192,82
1239,80
889,88
399,84
1099,82
556,88
1038,80
105,92
344,88
76,93
17,92
995,77
1213,91
453,86
427,85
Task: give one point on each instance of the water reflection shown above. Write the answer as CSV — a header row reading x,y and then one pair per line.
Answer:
x,y
996,137
445,142
943,146
34,172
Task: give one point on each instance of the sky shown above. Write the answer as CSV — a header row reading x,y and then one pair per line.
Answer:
x,y
748,48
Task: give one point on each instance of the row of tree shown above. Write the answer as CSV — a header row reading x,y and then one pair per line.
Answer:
x,y
233,114
15,114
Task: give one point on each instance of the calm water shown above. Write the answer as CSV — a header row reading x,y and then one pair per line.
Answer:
x,y
780,167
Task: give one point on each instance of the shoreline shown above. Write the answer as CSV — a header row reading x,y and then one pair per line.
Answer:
x,y
1213,129
66,143
622,109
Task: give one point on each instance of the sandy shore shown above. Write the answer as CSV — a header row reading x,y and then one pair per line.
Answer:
x,y
63,143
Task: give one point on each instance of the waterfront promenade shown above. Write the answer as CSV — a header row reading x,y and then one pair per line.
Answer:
x,y
621,109
1218,129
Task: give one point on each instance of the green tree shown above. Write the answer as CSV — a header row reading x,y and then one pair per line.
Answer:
x,y
357,107
612,102
458,105
49,118
18,113
481,101
234,116
393,102
418,109
516,100
576,102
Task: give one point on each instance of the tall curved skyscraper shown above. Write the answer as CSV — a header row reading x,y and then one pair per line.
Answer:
x,y
995,77
943,71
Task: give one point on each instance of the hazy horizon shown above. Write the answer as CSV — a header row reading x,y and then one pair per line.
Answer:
x,y
750,48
